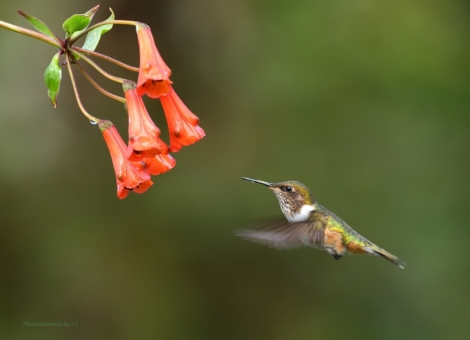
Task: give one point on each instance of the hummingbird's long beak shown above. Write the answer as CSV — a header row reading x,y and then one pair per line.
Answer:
x,y
257,181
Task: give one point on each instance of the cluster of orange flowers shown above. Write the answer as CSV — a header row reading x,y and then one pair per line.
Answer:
x,y
146,154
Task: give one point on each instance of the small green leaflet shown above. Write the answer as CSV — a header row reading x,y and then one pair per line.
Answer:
x,y
93,37
78,22
38,25
52,78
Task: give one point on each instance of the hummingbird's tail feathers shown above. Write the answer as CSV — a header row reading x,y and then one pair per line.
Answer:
x,y
377,251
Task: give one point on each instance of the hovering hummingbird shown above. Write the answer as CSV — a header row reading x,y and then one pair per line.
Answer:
x,y
310,224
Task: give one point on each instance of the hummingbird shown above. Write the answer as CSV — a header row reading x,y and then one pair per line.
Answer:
x,y
310,224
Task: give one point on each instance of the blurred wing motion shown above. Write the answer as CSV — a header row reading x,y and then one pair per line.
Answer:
x,y
285,235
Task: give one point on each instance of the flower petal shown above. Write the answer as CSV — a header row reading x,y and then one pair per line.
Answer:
x,y
182,123
154,74
128,176
156,165
144,135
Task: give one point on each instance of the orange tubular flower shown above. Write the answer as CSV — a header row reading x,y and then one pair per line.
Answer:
x,y
182,124
144,135
128,177
156,165
154,75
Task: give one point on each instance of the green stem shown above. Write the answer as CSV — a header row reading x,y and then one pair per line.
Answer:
x,y
99,88
99,69
104,57
107,22
74,85
32,34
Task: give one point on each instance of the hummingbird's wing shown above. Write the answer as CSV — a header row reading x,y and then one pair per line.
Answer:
x,y
285,235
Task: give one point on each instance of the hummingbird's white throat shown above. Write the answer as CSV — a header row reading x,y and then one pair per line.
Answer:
x,y
301,216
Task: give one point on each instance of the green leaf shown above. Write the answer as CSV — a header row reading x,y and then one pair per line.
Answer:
x,y
75,23
52,78
93,37
38,25
78,22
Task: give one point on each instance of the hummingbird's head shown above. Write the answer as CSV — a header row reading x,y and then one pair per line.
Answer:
x,y
295,198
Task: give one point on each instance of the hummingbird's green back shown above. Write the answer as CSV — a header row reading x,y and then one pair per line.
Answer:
x,y
337,224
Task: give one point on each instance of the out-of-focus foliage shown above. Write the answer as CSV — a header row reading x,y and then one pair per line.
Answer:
x,y
367,102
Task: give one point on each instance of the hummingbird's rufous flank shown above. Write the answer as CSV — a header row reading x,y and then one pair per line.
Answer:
x,y
310,224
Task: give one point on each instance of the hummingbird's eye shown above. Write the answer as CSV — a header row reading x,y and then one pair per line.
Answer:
x,y
288,188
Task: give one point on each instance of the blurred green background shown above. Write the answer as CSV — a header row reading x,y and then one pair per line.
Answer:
x,y
366,102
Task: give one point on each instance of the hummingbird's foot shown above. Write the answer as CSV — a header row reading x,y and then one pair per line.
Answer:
x,y
334,253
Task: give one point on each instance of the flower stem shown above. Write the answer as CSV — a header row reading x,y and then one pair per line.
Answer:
x,y
99,88
99,69
74,85
107,22
30,33
104,57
